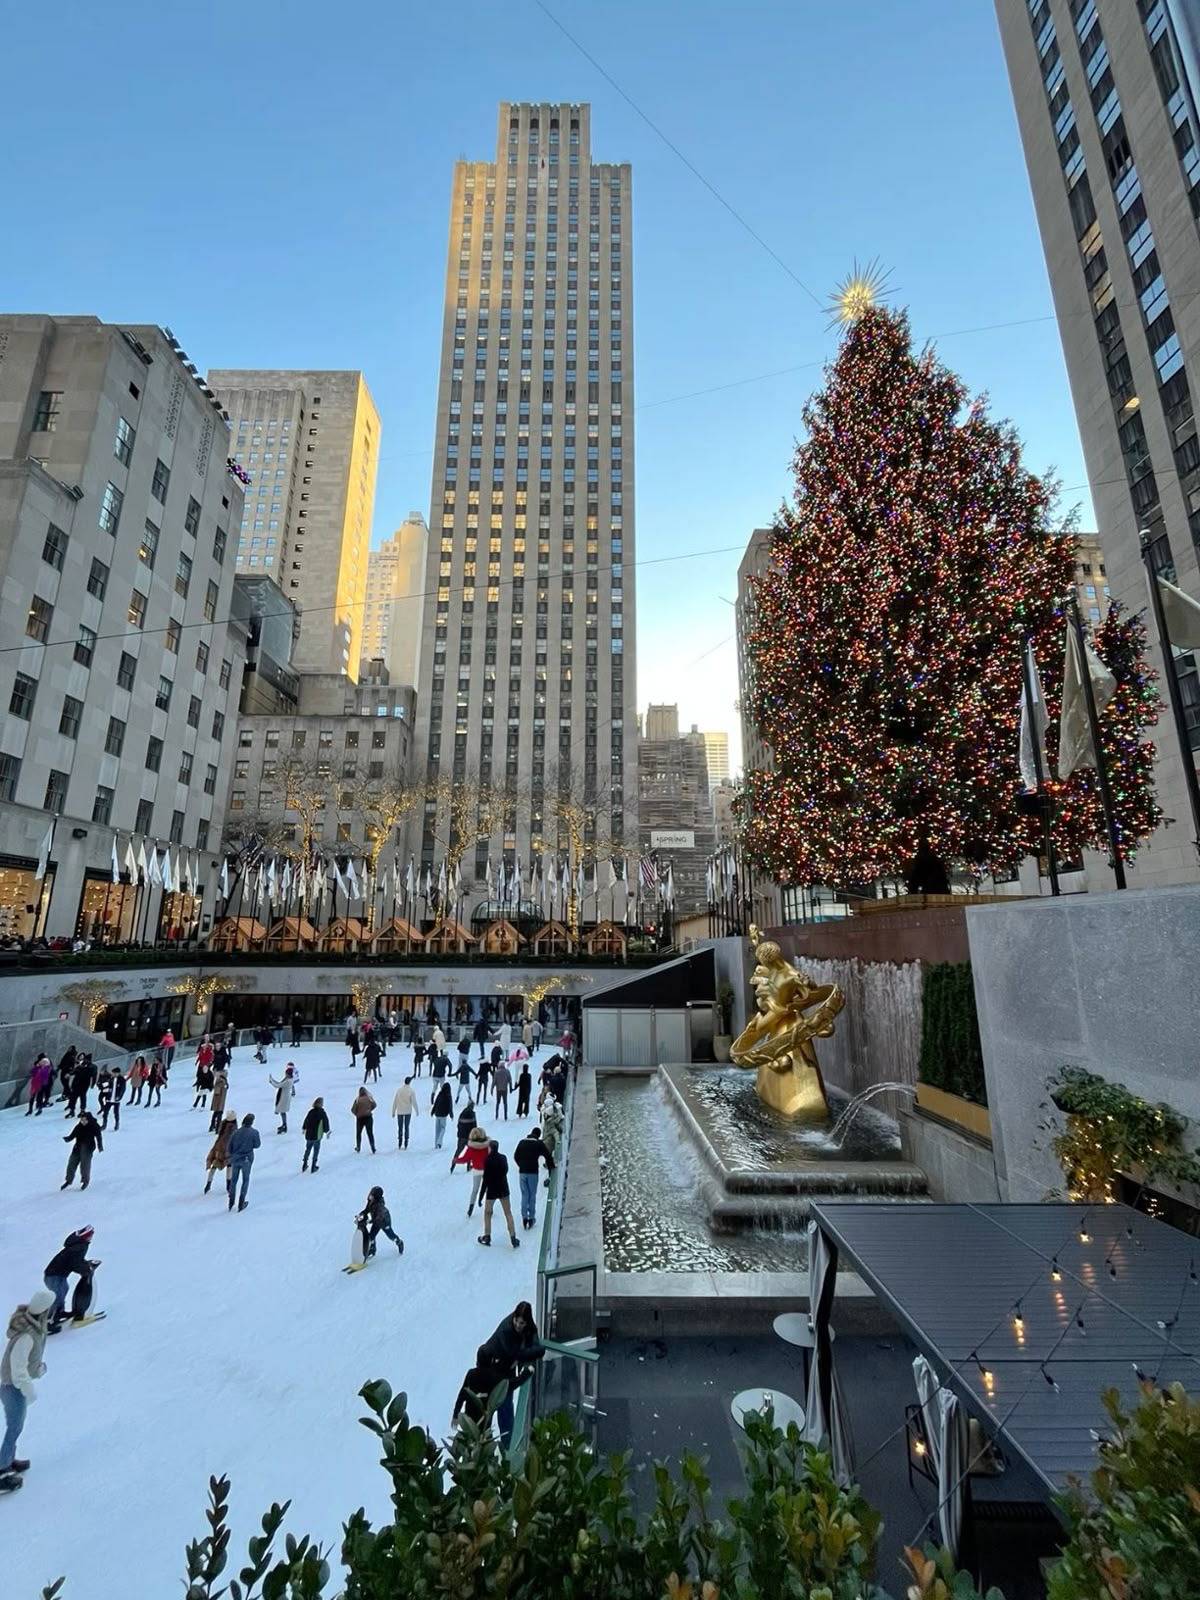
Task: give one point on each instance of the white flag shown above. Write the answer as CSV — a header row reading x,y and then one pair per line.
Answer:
x,y
168,880
339,880
410,886
1033,726
131,865
116,865
44,853
1075,747
669,892
1182,616
224,878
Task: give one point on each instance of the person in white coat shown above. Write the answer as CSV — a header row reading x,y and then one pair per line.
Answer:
x,y
20,1364
504,1037
285,1090
404,1109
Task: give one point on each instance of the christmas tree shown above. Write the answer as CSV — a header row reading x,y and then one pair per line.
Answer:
x,y
918,556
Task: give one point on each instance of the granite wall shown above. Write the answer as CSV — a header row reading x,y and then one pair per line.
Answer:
x,y
1110,982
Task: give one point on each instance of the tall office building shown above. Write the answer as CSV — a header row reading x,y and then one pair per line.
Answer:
x,y
1092,588
121,669
675,811
309,442
1106,98
392,616
527,649
716,749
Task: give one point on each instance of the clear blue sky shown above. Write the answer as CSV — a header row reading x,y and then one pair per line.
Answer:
x,y
272,181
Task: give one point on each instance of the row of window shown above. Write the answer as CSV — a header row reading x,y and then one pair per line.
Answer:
x,y
54,801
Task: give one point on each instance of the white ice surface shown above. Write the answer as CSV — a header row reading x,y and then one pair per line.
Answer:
x,y
233,1342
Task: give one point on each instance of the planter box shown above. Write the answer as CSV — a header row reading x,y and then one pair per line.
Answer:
x,y
953,1108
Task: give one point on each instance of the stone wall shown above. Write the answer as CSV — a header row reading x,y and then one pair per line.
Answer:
x,y
925,933
960,1169
22,1042
1110,982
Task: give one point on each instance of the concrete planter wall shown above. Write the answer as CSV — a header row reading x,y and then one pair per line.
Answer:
x,y
953,1108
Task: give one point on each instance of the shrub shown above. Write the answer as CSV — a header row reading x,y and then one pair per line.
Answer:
x,y
951,1055
1110,1130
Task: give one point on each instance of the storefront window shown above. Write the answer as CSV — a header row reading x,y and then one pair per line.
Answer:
x,y
23,899
106,910
179,917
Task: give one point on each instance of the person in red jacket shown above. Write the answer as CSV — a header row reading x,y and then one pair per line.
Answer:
x,y
473,1158
166,1047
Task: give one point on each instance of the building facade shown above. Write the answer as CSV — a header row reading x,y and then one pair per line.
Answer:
x,y
527,668
1106,98
716,750
392,615
767,903
675,814
1091,579
122,668
309,445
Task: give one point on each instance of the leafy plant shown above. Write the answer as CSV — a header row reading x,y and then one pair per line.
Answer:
x,y
1110,1130
725,1004
936,1578
951,1054
1137,1535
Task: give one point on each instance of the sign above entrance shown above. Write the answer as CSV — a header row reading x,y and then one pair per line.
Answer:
x,y
672,839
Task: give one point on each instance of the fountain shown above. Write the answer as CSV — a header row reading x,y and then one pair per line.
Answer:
x,y
712,1169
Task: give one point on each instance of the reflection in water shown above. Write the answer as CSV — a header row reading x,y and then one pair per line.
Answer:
x,y
654,1209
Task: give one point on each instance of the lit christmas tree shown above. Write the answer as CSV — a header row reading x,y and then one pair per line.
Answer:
x,y
887,638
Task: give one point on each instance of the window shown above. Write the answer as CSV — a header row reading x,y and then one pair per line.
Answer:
x,y
85,645
201,658
379,739
102,804
173,636
183,575
225,673
72,712
218,726
219,539
193,712
123,448
237,799
154,750
45,418
137,609
37,623
10,771
110,508
202,835
97,583
56,792
23,691
114,739
126,670
163,697
160,482
149,544
191,520
210,780
210,601
145,816
176,830
185,767
54,547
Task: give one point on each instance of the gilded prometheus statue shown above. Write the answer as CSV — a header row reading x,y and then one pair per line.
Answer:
x,y
778,1040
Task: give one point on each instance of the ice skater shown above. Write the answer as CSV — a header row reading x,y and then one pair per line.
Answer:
x,y
372,1054
404,1108
418,1057
166,1046
78,1085
474,1158
479,1034
524,1089
475,1392
20,1364
374,1219
495,1192
482,1079
508,1357
285,1089
530,1151
203,1083
462,1132
315,1128
41,1080
110,1087
362,1109
85,1138
154,1083
138,1075
441,1108
220,1090
501,1084
71,1261
217,1159
242,1146
464,1074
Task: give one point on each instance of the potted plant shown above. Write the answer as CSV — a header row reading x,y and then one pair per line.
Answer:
x,y
723,1037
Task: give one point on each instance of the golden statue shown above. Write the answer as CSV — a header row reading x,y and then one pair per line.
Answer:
x,y
792,1012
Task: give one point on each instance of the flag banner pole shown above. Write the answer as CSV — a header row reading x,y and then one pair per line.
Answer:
x,y
1089,696
1173,691
1044,800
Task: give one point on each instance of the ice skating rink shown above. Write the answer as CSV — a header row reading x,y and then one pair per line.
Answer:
x,y
234,1343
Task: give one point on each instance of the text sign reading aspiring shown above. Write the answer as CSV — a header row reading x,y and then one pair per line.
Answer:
x,y
676,839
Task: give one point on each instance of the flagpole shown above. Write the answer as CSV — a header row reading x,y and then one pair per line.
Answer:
x,y
1173,694
1045,802
1089,697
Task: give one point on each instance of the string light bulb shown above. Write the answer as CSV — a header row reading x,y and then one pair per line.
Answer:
x,y
1049,1377
1055,1271
1084,1236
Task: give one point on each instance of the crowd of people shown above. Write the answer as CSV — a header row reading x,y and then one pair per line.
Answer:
x,y
504,1063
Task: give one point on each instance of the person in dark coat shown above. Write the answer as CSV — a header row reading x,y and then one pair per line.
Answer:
x,y
529,1152
463,1073
85,1138
374,1219
508,1357
66,1066
464,1055
371,1056
154,1083
479,1033
242,1146
315,1127
71,1261
482,1078
441,1108
495,1192
462,1131
203,1084
524,1088
78,1085
418,1057
475,1391
297,1028
110,1087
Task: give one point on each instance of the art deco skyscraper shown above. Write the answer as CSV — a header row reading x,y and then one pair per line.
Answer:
x,y
527,650
1106,97
310,444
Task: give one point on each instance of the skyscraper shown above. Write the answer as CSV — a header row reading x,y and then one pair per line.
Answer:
x,y
527,649
1106,98
309,442
716,750
675,813
392,615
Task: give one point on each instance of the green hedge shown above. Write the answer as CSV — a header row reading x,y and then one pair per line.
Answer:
x,y
951,1056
